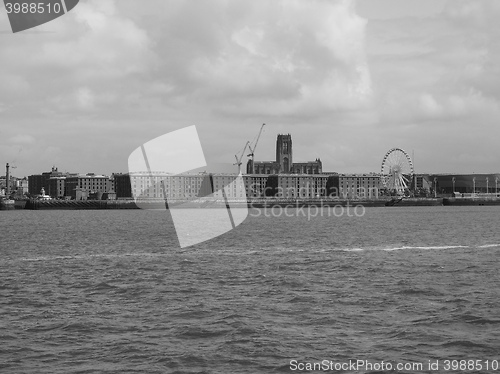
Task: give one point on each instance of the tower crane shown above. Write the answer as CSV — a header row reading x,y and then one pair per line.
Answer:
x,y
252,150
238,160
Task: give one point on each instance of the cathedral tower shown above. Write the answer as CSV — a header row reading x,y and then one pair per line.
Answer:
x,y
284,153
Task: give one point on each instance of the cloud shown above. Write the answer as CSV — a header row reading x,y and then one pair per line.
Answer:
x,y
93,48
21,139
289,57
438,66
111,75
437,84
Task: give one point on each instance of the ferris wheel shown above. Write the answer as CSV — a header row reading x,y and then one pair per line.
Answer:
x,y
397,171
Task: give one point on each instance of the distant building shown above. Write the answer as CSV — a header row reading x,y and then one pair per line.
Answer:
x,y
263,167
422,182
285,186
57,187
284,155
359,186
284,161
38,181
21,185
290,186
309,167
122,185
465,183
88,186
145,185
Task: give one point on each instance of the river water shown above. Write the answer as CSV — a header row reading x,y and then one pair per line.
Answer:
x,y
113,292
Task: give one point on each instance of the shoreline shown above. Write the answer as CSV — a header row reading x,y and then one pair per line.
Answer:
x,y
255,203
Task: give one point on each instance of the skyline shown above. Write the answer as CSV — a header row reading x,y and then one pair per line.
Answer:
x,y
348,79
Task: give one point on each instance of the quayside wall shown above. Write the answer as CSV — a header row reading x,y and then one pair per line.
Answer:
x,y
256,203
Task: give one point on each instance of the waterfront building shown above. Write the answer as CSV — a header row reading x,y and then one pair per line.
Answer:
x,y
422,182
122,186
285,186
38,181
292,186
18,187
57,187
3,183
35,184
447,184
21,186
88,186
144,185
158,185
364,186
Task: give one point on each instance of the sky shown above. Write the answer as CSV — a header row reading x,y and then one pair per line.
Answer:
x,y
349,80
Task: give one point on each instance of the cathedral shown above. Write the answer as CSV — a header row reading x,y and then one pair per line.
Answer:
x,y
284,161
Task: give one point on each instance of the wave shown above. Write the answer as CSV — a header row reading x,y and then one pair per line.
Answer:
x,y
389,249
489,246
252,252
89,256
437,247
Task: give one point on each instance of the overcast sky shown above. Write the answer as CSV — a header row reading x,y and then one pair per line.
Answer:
x,y
348,79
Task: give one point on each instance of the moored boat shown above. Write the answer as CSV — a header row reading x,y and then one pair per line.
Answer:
x,y
6,204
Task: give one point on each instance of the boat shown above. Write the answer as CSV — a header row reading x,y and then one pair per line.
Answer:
x,y
6,204
394,201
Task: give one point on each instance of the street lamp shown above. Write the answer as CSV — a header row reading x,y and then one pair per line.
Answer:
x,y
453,181
474,186
487,181
496,185
435,186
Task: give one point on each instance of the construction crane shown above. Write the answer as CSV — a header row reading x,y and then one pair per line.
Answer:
x,y
252,150
238,160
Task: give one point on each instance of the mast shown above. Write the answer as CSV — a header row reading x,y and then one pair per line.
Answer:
x,y
414,172
7,177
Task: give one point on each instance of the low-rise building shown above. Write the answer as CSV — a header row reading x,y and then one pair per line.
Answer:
x,y
286,186
88,186
363,186
38,181
447,184
57,187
